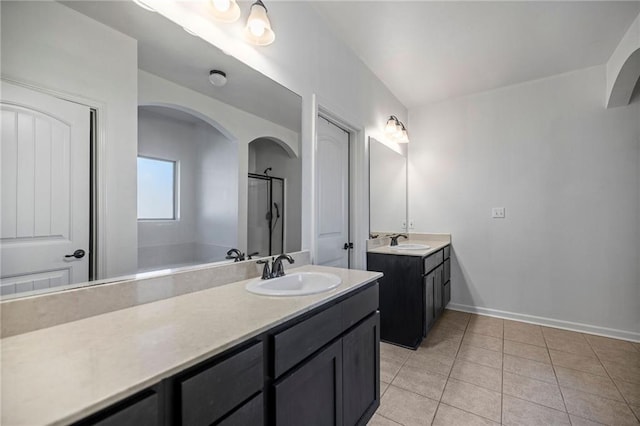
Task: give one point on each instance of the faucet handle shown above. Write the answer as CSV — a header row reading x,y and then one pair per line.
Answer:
x,y
266,271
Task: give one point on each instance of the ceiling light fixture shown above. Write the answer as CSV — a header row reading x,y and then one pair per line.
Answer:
x,y
258,30
395,130
217,78
225,10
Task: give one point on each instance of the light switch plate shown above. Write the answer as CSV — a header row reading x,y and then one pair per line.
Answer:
x,y
497,212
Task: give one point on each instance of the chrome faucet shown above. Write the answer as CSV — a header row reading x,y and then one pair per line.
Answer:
x,y
394,239
236,255
276,270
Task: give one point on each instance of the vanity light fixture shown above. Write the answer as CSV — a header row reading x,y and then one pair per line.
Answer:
x,y
217,78
258,29
396,131
225,10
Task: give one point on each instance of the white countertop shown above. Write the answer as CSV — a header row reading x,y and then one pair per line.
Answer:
x,y
61,374
434,245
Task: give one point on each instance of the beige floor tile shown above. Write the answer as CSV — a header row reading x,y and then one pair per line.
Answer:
x,y
523,350
577,347
482,341
421,382
455,318
383,387
531,336
452,416
630,391
393,352
477,374
378,420
600,342
550,332
581,421
590,383
626,358
480,356
486,320
587,364
519,412
543,393
486,328
388,369
637,346
622,372
442,331
636,410
474,399
445,347
529,368
599,409
431,361
406,407
521,326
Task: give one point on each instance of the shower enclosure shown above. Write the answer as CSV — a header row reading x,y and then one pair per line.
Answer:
x,y
265,215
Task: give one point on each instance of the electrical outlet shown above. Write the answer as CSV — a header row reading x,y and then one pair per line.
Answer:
x,y
411,224
497,212
404,224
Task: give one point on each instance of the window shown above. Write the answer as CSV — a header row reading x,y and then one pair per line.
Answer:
x,y
156,189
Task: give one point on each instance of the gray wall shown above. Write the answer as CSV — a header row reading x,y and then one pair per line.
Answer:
x,y
566,169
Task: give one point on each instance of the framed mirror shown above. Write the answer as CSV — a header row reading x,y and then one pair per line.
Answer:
x,y
387,187
163,170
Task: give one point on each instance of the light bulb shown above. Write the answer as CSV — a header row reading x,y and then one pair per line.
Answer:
x,y
221,5
257,27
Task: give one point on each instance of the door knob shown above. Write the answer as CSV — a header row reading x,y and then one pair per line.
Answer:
x,y
78,254
347,246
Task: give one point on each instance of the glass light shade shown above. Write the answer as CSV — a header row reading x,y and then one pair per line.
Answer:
x,y
404,137
390,128
258,30
225,10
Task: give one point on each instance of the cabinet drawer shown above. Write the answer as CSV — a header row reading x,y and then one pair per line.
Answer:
x,y
432,261
251,413
298,342
212,393
447,270
359,306
447,251
140,410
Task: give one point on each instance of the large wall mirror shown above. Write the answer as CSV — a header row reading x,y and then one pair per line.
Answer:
x,y
387,187
116,143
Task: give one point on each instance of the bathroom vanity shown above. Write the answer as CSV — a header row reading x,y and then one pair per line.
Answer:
x,y
415,288
219,356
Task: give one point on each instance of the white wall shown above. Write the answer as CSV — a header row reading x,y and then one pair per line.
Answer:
x,y
566,169
49,46
265,153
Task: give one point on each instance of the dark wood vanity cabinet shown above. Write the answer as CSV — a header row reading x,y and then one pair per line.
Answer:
x,y
321,368
413,293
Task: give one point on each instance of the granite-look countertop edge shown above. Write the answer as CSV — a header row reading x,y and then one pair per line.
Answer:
x,y
434,247
64,373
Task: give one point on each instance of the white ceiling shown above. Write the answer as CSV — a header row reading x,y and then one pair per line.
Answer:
x,y
429,51
166,50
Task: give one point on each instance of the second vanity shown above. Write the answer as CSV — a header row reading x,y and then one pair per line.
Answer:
x,y
219,356
415,288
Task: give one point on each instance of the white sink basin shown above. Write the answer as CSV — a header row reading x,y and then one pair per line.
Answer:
x,y
411,247
296,284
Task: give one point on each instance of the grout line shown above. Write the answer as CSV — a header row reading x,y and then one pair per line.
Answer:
x,y
387,418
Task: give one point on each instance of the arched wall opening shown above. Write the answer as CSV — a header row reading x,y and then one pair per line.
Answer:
x,y
187,188
274,197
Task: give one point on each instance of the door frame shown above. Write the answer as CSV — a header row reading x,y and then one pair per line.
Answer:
x,y
357,171
97,167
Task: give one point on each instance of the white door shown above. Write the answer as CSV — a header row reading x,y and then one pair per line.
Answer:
x,y
44,190
332,174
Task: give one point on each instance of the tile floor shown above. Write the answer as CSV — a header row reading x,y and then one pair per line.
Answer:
x,y
478,370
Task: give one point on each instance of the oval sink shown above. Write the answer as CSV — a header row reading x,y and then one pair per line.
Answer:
x,y
411,247
296,284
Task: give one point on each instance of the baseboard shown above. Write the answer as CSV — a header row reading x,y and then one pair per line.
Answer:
x,y
549,322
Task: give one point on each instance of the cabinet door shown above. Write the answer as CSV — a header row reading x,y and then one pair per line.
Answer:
x,y
429,313
361,371
447,293
312,394
437,291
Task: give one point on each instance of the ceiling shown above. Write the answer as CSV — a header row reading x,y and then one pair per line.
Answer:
x,y
429,51
166,50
